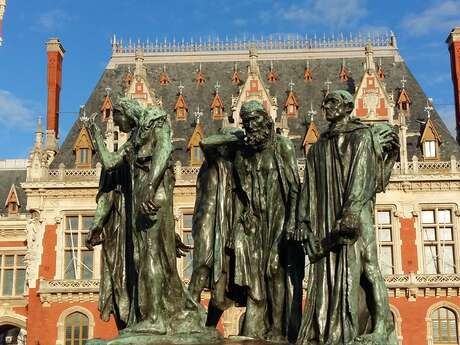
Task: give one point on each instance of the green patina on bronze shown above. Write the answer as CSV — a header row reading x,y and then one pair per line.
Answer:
x,y
140,284
250,221
246,205
347,300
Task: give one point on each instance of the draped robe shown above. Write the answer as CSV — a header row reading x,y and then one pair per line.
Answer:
x,y
344,171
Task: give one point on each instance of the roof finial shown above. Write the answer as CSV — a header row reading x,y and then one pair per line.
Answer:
x,y
403,82
216,87
291,85
164,67
198,114
107,91
180,87
311,113
429,107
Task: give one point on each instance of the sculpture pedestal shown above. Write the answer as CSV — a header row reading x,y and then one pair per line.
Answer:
x,y
211,337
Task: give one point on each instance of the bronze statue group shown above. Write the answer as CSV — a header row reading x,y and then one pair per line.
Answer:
x,y
255,225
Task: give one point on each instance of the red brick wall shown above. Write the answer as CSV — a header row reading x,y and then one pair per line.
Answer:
x,y
413,314
408,247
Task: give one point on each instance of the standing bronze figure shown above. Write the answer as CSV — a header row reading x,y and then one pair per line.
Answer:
x,y
347,300
140,284
246,205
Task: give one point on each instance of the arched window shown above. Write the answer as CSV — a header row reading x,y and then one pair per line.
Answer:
x,y
76,329
444,326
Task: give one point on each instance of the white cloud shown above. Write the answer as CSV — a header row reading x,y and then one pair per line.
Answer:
x,y
14,112
337,13
441,16
447,113
54,19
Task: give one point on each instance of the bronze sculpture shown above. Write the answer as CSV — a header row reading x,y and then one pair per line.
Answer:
x,y
140,283
347,301
246,205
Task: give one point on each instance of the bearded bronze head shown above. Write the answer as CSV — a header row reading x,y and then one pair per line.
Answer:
x,y
257,124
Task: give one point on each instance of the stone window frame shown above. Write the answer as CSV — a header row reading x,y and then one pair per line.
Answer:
x,y
429,324
396,236
398,323
15,252
180,212
419,236
61,323
60,245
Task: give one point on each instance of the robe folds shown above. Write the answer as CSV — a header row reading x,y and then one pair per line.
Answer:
x,y
229,185
344,170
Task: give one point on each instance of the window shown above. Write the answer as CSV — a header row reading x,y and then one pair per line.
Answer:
x,y
197,155
385,238
76,329
187,261
78,260
444,327
429,149
13,274
84,156
438,241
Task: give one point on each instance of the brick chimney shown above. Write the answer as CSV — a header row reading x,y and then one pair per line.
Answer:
x,y
454,48
55,52
2,12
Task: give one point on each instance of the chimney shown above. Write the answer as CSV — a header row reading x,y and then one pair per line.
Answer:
x,y
55,52
2,12
454,48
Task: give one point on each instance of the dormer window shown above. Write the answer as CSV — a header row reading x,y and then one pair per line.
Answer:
x,y
106,108
200,78
164,78
83,150
196,154
343,75
429,149
12,202
307,74
217,107
181,108
291,105
430,141
236,77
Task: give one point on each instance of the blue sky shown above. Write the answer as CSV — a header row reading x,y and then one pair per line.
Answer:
x,y
85,28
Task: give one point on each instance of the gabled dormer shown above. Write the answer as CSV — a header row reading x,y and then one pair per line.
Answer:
x,y
253,89
372,102
140,88
128,79
12,204
83,149
217,106
181,108
199,77
164,77
272,77
404,102
106,107
236,80
291,106
311,136
430,140
344,73
308,73
193,146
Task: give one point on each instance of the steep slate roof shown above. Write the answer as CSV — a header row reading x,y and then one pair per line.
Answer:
x,y
7,178
307,92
